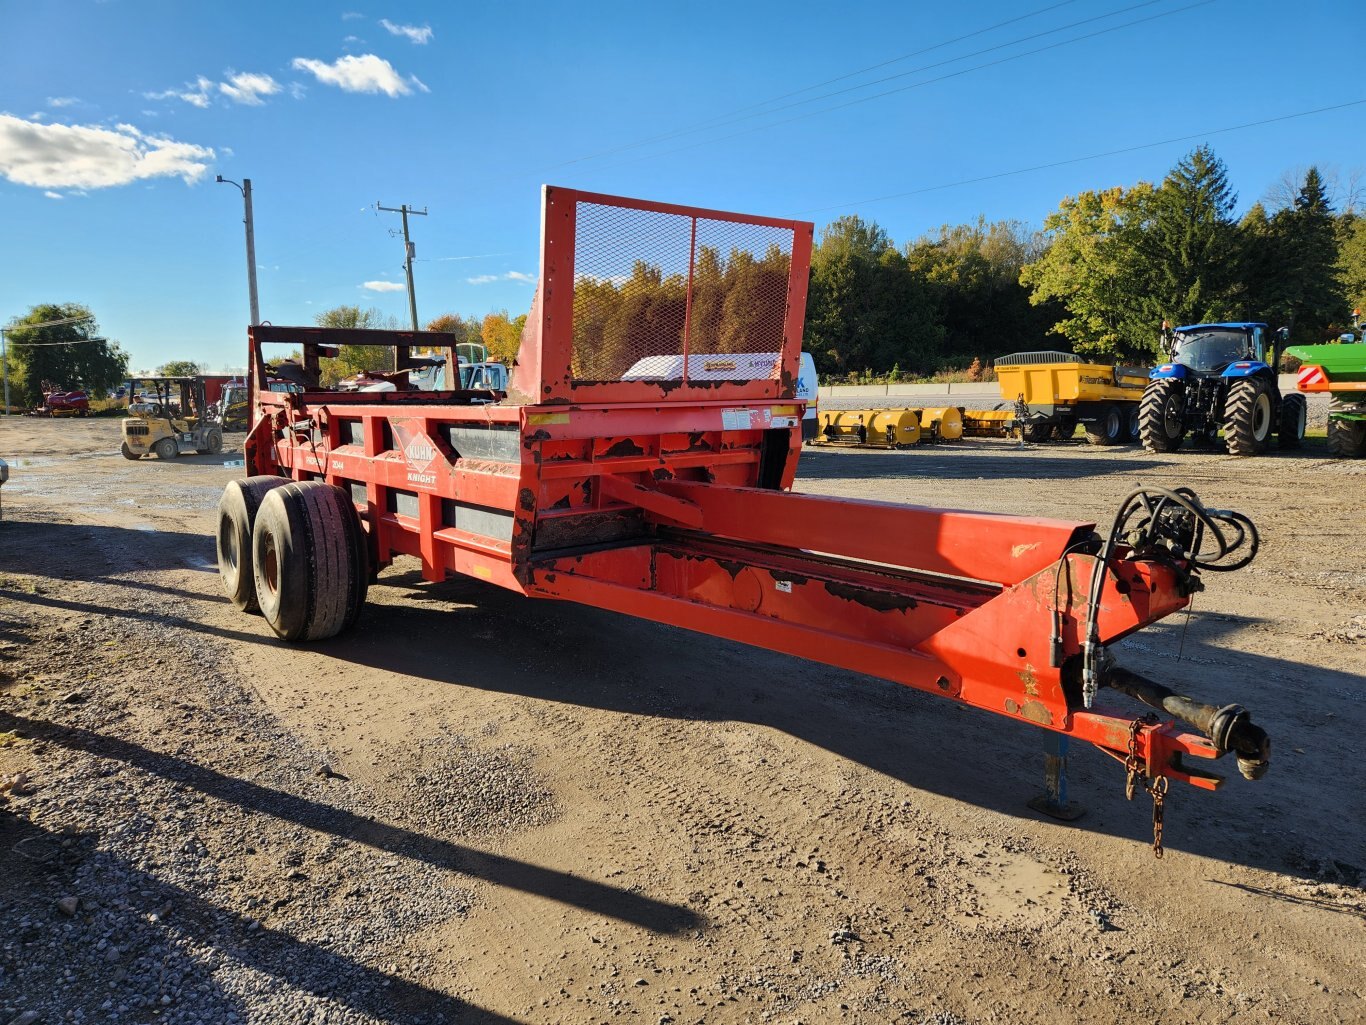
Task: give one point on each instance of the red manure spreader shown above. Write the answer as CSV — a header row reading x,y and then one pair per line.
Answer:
x,y
642,461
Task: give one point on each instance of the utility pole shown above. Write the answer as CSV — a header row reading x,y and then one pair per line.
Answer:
x,y
245,189
405,210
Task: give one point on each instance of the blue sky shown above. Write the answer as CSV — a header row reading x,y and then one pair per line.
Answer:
x,y
115,117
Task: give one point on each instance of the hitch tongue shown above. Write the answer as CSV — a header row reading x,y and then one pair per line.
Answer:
x,y
1230,728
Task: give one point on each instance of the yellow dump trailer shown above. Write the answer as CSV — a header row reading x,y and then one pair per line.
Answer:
x,y
1055,391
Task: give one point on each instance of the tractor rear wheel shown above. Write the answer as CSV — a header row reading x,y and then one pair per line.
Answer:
x,y
309,560
128,453
1294,416
1162,415
1247,417
166,448
1346,438
1108,426
1036,431
236,518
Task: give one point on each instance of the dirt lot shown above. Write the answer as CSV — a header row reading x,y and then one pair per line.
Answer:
x,y
476,808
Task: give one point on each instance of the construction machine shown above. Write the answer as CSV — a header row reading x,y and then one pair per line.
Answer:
x,y
168,416
664,491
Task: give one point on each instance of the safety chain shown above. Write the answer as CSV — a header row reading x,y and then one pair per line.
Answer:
x,y
1135,769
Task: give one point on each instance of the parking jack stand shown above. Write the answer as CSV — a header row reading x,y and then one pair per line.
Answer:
x,y
1053,801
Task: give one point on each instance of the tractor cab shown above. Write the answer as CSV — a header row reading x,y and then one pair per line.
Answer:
x,y
1214,348
168,416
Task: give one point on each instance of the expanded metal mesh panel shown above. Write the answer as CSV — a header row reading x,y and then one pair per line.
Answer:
x,y
664,296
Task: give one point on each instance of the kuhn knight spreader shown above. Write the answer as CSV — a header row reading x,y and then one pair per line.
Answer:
x,y
642,460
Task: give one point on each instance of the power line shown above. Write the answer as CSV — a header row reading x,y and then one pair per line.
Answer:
x,y
36,345
708,123
1092,156
918,85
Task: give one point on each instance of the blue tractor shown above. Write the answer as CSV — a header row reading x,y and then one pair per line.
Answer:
x,y
1220,378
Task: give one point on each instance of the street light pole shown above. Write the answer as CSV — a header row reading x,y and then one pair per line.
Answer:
x,y
245,189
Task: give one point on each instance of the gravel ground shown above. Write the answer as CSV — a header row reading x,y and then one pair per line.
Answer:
x,y
476,808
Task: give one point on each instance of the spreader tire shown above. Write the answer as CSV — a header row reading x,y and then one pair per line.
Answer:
x,y
309,561
1036,431
1161,415
128,453
236,518
1294,417
166,448
1346,438
1247,417
1108,426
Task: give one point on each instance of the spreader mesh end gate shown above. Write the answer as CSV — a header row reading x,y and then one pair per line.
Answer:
x,y
642,301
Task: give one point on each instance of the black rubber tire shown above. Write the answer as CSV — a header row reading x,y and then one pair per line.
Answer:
x,y
213,443
309,561
1294,415
1161,415
1129,411
128,453
1346,438
1036,432
1064,431
236,518
166,448
1108,426
1248,417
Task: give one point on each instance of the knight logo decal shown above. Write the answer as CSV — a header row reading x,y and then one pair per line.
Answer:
x,y
418,451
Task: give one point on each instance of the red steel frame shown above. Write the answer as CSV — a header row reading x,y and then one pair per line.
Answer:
x,y
670,501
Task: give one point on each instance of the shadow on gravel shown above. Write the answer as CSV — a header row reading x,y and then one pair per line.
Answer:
x,y
969,462
595,897
42,873
27,546
564,653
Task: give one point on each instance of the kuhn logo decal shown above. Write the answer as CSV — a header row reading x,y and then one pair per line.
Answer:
x,y
418,452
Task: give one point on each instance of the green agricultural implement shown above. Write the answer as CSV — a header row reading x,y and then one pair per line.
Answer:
x,y
1339,370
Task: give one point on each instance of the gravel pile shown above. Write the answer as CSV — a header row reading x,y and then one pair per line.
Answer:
x,y
174,855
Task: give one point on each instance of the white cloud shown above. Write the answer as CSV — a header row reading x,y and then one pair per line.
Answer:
x,y
53,195
351,15
195,93
364,74
420,36
512,275
248,87
383,286
48,156
298,90
62,101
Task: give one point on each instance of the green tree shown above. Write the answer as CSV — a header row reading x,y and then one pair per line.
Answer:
x,y
1310,298
356,359
974,272
180,368
866,310
1351,233
67,356
1092,269
1189,250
